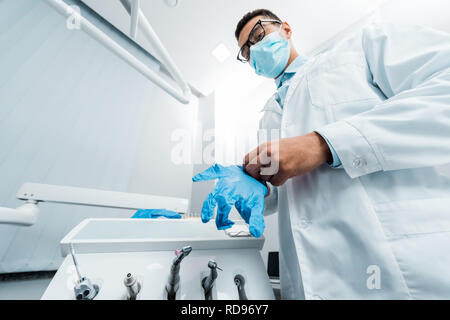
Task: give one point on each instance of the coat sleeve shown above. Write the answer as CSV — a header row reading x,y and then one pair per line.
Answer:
x,y
411,128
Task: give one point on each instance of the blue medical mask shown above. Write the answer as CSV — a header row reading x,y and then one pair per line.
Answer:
x,y
270,56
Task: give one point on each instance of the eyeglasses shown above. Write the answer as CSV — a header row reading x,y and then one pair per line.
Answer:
x,y
257,34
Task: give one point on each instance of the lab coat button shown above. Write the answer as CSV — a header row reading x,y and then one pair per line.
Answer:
x,y
305,223
359,162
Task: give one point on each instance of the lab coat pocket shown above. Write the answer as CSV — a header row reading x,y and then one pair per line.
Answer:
x,y
342,84
418,232
414,217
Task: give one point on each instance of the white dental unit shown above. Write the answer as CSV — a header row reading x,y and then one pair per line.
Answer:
x,y
116,259
113,252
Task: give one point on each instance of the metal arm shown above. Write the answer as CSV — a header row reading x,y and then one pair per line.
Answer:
x,y
153,38
33,193
102,38
135,4
25,215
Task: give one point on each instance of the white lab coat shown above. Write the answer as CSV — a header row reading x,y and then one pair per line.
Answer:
x,y
379,227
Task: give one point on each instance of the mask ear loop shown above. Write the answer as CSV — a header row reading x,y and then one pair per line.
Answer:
x,y
281,27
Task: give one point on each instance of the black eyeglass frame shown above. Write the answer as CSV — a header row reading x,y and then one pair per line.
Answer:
x,y
249,43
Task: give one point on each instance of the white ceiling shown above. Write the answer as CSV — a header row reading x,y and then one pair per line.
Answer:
x,y
193,29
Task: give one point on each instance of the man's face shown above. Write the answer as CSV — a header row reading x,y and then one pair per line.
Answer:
x,y
258,32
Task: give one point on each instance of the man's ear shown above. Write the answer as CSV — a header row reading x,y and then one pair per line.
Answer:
x,y
287,31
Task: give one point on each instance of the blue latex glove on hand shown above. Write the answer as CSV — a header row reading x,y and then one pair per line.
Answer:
x,y
155,213
237,188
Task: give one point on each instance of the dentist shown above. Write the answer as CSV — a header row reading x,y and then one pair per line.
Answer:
x,y
355,135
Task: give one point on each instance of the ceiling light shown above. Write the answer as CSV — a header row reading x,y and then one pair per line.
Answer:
x,y
221,53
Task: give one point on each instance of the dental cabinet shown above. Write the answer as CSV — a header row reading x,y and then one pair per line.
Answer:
x,y
143,259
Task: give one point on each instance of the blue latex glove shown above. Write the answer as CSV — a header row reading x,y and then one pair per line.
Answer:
x,y
236,188
155,213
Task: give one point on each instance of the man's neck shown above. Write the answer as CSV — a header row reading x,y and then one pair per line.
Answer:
x,y
294,55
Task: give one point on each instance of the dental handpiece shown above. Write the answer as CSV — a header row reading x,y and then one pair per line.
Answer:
x,y
133,286
239,281
173,281
84,289
75,263
208,282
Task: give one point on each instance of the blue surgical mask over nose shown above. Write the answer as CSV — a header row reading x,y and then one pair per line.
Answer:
x,y
270,56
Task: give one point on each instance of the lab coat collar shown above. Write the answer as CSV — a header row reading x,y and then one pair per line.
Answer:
x,y
291,69
272,105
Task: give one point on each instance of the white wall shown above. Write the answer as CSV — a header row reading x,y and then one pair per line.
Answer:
x,y
431,13
154,171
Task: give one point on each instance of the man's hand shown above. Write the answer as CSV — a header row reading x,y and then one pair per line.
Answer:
x,y
278,161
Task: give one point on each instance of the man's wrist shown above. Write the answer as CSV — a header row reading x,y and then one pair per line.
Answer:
x,y
325,155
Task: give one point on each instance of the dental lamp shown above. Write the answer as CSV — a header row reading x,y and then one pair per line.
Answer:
x,y
34,193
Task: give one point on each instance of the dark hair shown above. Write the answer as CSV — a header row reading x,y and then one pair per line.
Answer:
x,y
250,15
